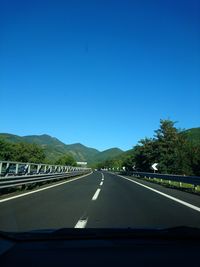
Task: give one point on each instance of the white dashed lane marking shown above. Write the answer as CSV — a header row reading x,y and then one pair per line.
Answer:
x,y
96,194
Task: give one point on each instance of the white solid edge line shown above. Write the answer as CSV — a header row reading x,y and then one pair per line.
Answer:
x,y
42,189
81,223
96,194
165,195
101,183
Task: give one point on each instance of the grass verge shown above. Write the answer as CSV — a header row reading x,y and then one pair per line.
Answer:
x,y
176,185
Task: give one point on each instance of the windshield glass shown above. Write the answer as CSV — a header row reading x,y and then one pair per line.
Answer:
x,y
99,114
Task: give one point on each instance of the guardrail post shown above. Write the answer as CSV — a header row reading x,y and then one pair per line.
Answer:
x,y
38,168
1,167
27,168
16,168
50,168
7,169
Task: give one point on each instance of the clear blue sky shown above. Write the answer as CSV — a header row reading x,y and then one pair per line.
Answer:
x,y
101,73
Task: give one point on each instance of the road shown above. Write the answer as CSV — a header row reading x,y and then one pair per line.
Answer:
x,y
100,200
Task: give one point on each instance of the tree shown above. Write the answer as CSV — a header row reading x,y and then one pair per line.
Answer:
x,y
193,157
29,153
144,154
66,160
7,151
21,152
170,149
167,140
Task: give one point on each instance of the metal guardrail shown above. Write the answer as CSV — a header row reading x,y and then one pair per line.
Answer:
x,y
194,180
14,174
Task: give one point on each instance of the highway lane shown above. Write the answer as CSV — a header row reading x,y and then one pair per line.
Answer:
x,y
100,200
126,204
57,207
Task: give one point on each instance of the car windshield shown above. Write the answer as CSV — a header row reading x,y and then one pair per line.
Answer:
x,y
100,114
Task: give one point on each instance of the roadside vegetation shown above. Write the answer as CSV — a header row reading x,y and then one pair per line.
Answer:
x,y
170,147
24,152
175,185
176,152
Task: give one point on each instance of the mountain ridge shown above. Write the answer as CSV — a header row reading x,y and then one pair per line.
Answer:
x,y
54,148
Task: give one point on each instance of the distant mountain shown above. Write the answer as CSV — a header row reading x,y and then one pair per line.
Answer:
x,y
43,140
107,154
193,135
11,137
54,148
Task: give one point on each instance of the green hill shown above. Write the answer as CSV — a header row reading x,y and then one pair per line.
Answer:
x,y
11,138
107,154
54,148
193,135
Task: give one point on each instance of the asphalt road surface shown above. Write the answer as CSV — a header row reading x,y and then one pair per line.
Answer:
x,y
100,200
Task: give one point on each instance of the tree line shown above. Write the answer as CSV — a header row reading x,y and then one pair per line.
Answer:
x,y
169,147
33,153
